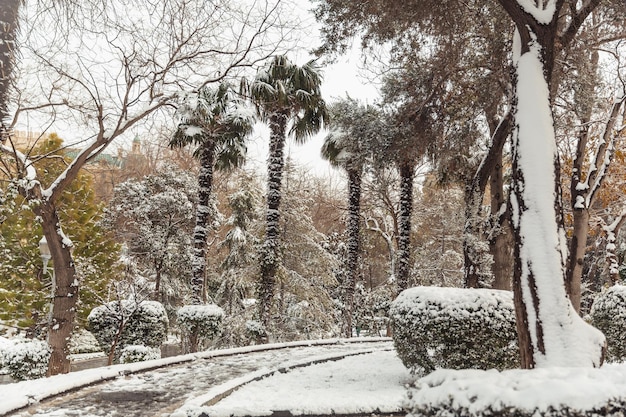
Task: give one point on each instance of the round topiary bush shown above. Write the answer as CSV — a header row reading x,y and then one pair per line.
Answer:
x,y
120,324
455,328
139,353
27,359
200,322
608,314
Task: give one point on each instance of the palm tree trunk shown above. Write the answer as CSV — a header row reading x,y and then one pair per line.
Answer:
x,y
407,173
271,252
354,208
9,22
200,235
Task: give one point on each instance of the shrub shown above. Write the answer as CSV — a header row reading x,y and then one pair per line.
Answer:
x,y
125,323
455,328
200,323
608,314
26,359
139,353
204,319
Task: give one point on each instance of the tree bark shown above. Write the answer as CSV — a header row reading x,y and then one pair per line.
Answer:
x,y
501,243
271,251
549,330
200,234
407,174
354,208
65,291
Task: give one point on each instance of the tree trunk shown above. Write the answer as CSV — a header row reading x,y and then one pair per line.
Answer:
x,y
9,16
65,290
474,194
549,330
407,173
271,251
354,209
200,234
501,243
578,242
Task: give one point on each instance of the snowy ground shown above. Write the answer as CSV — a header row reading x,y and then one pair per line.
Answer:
x,y
374,382
360,382
161,391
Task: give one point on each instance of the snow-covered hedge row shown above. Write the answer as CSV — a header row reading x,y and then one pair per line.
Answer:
x,y
203,320
542,392
25,359
128,323
455,328
608,314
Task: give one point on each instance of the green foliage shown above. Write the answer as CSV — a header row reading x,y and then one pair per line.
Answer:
x,y
123,323
24,288
285,88
608,314
455,328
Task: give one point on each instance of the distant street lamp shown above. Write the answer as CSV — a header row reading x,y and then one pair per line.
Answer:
x,y
44,251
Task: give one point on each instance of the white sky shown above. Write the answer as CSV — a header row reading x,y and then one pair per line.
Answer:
x,y
340,79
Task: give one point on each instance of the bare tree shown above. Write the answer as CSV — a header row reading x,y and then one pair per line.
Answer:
x,y
108,70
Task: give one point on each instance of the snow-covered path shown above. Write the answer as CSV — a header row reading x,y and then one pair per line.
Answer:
x,y
160,392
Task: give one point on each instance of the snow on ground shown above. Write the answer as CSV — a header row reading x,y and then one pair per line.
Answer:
x,y
356,384
535,390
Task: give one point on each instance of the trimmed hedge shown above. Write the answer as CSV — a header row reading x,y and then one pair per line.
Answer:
x,y
608,314
141,324
455,328
139,353
26,359
203,320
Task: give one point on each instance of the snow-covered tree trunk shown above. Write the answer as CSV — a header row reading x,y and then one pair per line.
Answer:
x,y
9,12
407,174
271,252
352,273
550,331
200,234
65,289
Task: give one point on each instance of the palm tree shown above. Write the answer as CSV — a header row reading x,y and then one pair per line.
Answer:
x,y
282,92
356,129
217,122
9,24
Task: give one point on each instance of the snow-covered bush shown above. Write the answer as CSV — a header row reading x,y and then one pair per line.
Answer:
x,y
25,359
200,322
120,324
608,314
139,353
455,328
255,330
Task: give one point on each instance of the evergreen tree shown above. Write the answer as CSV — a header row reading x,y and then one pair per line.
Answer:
x,y
282,92
24,287
355,129
216,121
